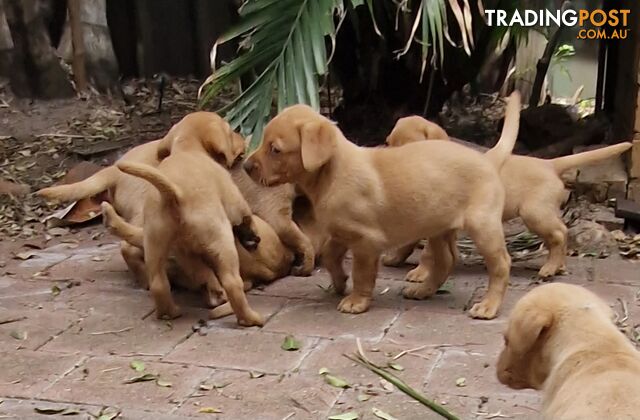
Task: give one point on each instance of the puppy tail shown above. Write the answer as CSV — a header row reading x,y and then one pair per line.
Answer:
x,y
168,190
501,151
564,163
95,184
121,228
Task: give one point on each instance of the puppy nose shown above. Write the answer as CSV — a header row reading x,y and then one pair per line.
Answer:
x,y
248,166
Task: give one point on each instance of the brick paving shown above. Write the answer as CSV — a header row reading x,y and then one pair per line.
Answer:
x,y
80,322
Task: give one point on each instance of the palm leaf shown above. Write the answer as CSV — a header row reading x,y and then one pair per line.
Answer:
x,y
283,42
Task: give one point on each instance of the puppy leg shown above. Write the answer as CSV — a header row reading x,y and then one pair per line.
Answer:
x,y
399,255
293,238
157,244
134,258
223,257
435,267
332,256
365,270
545,222
488,237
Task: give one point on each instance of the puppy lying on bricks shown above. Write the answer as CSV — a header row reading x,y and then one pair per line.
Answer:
x,y
371,199
269,261
561,339
533,187
195,208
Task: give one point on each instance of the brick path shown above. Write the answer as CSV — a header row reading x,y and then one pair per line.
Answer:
x,y
82,336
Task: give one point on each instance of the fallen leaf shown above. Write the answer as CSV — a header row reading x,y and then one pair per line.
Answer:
x,y
19,335
144,378
335,381
49,410
210,410
364,397
461,382
255,375
55,290
108,416
351,415
323,371
164,384
25,255
396,366
137,365
382,415
290,344
386,385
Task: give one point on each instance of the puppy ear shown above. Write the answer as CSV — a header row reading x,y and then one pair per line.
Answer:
x,y
527,328
317,144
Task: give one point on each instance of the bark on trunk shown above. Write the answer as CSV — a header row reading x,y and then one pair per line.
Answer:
x,y
36,70
100,60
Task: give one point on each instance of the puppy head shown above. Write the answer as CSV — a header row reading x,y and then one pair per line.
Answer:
x,y
412,129
207,129
525,361
297,141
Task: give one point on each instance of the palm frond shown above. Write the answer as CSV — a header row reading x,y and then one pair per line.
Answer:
x,y
283,42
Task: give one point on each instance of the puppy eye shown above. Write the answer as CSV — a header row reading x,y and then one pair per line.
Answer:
x,y
274,150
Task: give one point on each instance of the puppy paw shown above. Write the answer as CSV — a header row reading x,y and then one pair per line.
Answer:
x,y
339,284
303,265
221,311
417,275
418,291
354,304
550,270
246,236
251,319
168,313
484,310
392,260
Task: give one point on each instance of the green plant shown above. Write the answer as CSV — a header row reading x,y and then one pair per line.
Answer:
x,y
283,43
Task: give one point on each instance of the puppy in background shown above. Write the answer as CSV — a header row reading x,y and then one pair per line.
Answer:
x,y
534,190
561,339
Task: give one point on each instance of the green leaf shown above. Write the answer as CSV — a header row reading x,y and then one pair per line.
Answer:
x,y
382,415
351,415
144,378
19,335
137,365
396,366
164,384
290,344
55,290
210,410
335,381
108,416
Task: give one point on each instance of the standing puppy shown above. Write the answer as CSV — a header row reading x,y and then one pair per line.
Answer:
x,y
371,199
561,340
533,187
193,208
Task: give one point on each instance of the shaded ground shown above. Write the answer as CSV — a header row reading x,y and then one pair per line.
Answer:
x,y
79,323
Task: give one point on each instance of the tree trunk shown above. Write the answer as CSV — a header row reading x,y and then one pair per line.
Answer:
x,y
6,44
100,60
36,70
77,41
